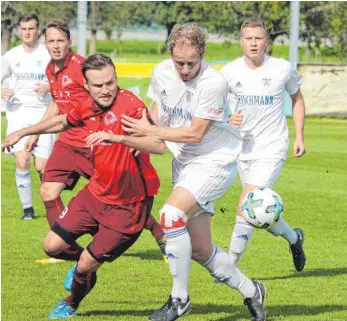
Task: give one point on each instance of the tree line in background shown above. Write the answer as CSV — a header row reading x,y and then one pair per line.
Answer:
x,y
321,22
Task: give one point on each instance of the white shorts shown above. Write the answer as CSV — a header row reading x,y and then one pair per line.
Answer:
x,y
206,182
260,172
44,144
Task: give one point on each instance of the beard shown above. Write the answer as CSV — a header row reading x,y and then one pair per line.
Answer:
x,y
105,105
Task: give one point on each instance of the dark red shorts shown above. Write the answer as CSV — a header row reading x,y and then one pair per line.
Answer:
x,y
67,164
115,228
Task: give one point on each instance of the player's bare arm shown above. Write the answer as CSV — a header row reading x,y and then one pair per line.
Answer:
x,y
51,111
147,144
154,113
142,127
299,121
55,124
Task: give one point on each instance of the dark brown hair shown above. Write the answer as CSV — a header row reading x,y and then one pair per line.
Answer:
x,y
96,62
61,25
29,16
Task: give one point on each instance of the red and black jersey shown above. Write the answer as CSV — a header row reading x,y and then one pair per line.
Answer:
x,y
68,91
119,177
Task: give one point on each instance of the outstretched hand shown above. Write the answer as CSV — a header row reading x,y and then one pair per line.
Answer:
x,y
10,140
137,127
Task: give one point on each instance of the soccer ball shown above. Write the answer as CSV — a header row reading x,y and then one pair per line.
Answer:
x,y
262,207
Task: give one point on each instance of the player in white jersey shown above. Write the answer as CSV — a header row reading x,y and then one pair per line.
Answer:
x,y
27,97
257,84
190,110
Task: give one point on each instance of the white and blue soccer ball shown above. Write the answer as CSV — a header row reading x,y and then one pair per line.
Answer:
x,y
262,207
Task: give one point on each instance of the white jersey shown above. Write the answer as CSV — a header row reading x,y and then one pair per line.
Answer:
x,y
203,97
259,95
24,70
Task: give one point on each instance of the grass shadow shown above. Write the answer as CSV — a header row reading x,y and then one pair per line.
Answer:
x,y
146,255
310,273
236,311
283,311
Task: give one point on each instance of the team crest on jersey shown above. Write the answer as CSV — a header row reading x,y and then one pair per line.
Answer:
x,y
267,82
163,97
163,94
189,96
110,118
38,63
66,81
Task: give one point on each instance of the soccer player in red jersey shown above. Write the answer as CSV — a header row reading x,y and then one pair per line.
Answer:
x,y
70,157
115,204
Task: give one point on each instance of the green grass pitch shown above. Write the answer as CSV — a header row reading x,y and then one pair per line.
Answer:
x,y
314,192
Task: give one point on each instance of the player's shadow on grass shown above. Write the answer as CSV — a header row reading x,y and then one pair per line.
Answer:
x,y
146,255
310,273
235,312
273,313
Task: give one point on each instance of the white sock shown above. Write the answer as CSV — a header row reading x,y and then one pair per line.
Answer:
x,y
23,182
221,267
179,254
281,228
239,239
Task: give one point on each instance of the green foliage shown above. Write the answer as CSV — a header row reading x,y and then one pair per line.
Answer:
x,y
313,189
274,13
212,15
217,53
117,15
320,21
46,10
337,18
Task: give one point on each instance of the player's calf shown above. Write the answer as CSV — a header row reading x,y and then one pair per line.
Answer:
x,y
179,249
240,237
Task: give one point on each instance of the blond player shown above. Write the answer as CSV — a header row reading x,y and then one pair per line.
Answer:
x,y
190,110
257,84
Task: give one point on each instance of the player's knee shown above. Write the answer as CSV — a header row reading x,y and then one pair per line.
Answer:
x,y
48,192
172,218
51,247
23,163
86,263
201,253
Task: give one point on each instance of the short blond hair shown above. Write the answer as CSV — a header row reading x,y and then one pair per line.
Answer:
x,y
253,22
188,33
